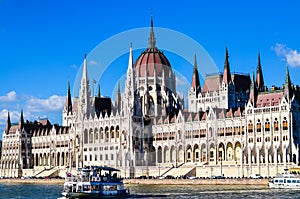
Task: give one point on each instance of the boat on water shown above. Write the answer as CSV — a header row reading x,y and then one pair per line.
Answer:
x,y
94,182
285,180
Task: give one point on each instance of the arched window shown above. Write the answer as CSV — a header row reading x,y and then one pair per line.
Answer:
x,y
258,126
267,125
250,127
285,125
85,137
276,127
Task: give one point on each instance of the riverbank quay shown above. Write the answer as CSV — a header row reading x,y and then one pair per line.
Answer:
x,y
32,181
238,181
242,181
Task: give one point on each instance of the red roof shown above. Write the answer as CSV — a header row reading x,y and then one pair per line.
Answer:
x,y
269,99
212,83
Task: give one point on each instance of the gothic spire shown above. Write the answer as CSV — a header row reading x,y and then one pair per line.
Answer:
x,y
226,73
118,97
85,92
259,76
8,123
195,78
99,93
21,122
253,91
84,72
68,105
130,61
288,84
151,39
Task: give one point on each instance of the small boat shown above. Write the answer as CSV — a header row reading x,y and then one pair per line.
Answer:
x,y
94,182
285,180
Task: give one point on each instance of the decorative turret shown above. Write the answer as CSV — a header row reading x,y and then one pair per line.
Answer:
x,y
8,124
288,92
253,91
195,78
259,76
226,73
68,106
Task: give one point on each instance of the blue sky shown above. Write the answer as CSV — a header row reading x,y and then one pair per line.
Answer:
x,y
42,43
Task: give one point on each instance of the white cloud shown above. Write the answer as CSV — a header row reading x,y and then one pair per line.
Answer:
x,y
92,62
14,116
291,56
9,97
74,66
53,103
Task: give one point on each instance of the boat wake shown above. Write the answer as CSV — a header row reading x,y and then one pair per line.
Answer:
x,y
147,196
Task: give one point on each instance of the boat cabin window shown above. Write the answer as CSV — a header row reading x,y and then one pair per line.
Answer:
x,y
95,187
298,181
288,181
86,188
276,181
280,181
109,188
293,181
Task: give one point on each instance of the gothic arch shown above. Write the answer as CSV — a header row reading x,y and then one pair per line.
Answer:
x,y
96,135
189,153
237,151
212,152
112,133
173,154
180,154
229,151
221,152
166,154
85,136
159,154
196,153
106,134
91,139
203,153
101,140
118,132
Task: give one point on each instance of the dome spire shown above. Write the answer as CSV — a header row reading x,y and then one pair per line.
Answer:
x,y
151,39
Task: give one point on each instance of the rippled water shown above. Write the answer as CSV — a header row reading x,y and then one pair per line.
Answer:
x,y
30,191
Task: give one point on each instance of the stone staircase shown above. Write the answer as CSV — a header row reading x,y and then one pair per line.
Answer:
x,y
186,169
47,172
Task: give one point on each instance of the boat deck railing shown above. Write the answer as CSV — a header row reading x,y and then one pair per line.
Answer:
x,y
92,179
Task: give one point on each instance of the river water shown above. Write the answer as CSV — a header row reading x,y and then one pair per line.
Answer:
x,y
31,191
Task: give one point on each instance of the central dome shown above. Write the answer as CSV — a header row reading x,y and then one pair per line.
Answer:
x,y
152,60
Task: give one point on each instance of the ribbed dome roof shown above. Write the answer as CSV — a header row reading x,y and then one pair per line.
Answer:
x,y
151,59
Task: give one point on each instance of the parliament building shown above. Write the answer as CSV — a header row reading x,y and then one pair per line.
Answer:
x,y
234,126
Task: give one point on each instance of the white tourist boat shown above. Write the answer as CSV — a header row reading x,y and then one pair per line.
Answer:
x,y
285,180
94,182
